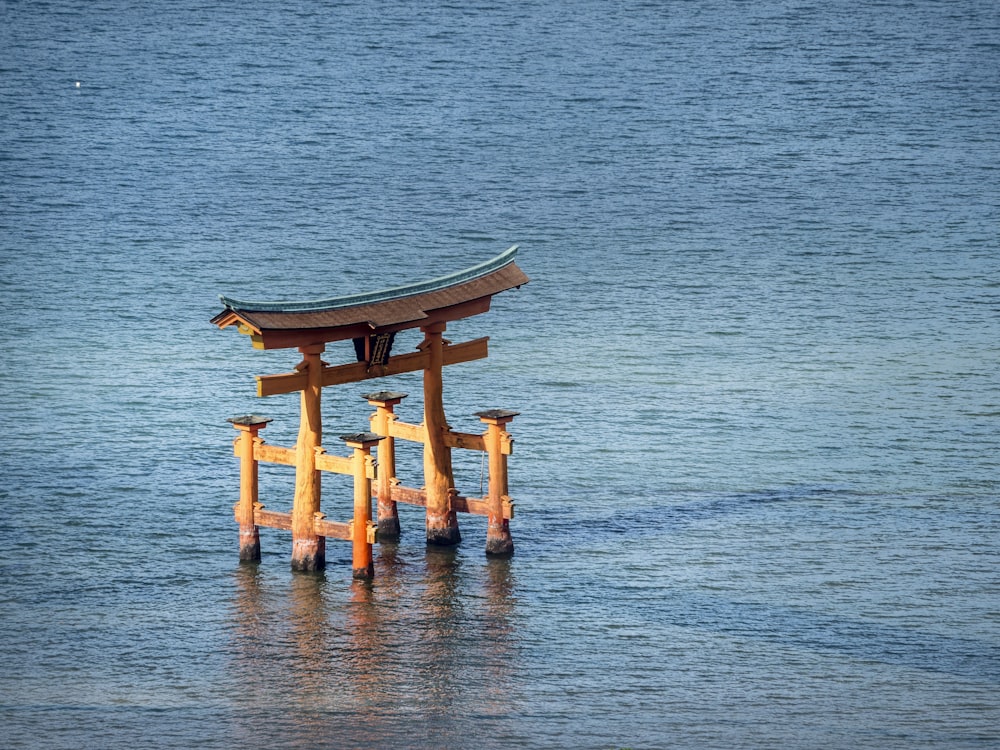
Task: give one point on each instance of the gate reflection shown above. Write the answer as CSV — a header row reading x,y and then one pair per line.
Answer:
x,y
423,653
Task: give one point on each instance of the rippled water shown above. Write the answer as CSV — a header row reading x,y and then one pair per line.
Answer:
x,y
757,462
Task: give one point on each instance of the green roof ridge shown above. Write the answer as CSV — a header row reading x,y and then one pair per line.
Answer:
x,y
384,295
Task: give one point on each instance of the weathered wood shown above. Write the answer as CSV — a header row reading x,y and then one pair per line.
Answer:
x,y
308,548
408,495
441,521
452,354
372,321
331,529
276,519
464,440
273,519
506,444
274,454
271,385
498,539
334,464
361,557
245,448
473,505
415,433
381,422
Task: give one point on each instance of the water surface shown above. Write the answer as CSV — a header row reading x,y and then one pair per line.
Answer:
x,y
756,471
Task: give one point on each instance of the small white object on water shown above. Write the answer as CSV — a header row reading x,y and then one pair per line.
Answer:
x,y
78,84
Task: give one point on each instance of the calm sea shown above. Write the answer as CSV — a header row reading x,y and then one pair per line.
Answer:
x,y
757,471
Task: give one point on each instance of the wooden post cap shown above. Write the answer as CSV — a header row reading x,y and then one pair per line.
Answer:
x,y
384,398
361,439
498,416
249,420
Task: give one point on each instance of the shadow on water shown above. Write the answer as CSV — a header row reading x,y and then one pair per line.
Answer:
x,y
681,536
649,520
853,638
405,658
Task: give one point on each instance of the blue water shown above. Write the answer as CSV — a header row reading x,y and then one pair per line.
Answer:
x,y
757,467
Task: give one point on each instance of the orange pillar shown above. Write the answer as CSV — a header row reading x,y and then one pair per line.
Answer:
x,y
362,528
388,515
498,446
442,521
308,548
248,426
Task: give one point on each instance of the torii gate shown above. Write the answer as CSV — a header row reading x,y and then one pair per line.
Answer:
x,y
371,320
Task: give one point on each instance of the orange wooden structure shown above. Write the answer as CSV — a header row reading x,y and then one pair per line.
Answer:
x,y
371,321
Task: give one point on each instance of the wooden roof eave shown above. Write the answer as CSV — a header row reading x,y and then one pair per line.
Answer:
x,y
228,318
459,278
293,324
276,338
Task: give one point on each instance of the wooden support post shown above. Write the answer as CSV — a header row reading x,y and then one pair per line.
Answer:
x,y
498,446
388,515
308,548
362,529
248,426
442,521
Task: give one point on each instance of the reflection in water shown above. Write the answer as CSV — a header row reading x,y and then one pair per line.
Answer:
x,y
444,634
410,657
499,636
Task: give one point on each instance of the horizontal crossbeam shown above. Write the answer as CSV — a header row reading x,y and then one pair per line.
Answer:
x,y
275,454
416,433
276,519
474,505
272,385
272,454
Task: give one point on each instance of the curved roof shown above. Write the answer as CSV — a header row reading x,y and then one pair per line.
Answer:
x,y
383,295
279,324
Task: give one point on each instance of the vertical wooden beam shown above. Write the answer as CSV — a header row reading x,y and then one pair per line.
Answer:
x,y
388,515
248,426
442,521
362,528
498,540
308,548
